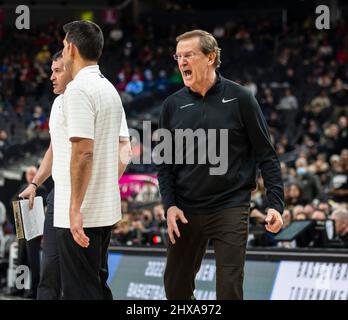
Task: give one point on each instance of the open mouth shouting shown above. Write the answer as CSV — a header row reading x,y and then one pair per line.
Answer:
x,y
187,74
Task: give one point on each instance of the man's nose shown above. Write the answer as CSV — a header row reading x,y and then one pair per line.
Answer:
x,y
182,63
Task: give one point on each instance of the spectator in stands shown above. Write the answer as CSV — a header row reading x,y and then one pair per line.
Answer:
x,y
284,140
146,55
139,229
147,218
325,50
122,234
19,108
128,50
258,196
325,207
3,146
298,213
324,80
128,215
159,217
300,216
344,159
135,86
321,168
288,107
38,123
219,31
320,109
287,218
308,210
162,82
44,55
294,196
124,206
338,187
340,216
310,183
116,34
335,163
318,215
121,85
343,132
331,140
274,122
267,105
149,82
339,94
313,131
280,149
242,33
121,82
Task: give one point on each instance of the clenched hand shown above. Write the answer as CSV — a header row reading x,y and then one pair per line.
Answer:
x,y
274,221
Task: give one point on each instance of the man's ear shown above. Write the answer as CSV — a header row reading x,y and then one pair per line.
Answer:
x,y
71,49
212,58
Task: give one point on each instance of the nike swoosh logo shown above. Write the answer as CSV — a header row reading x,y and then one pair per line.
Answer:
x,y
187,105
229,100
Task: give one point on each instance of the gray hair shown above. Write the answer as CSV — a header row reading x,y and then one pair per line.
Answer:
x,y
207,41
342,214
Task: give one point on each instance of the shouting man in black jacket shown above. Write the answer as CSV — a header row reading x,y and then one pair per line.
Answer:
x,y
202,204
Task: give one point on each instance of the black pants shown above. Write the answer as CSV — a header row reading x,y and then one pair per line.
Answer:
x,y
29,254
49,286
228,231
84,271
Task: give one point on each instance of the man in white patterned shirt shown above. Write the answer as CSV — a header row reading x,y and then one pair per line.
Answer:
x,y
49,287
86,166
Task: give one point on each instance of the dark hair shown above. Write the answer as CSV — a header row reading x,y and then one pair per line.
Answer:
x,y
57,55
87,37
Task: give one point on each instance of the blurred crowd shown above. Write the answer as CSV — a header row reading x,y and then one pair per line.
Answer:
x,y
145,226
298,74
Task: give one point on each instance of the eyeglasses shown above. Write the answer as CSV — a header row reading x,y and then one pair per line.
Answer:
x,y
187,56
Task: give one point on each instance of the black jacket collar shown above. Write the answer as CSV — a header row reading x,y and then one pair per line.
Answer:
x,y
214,89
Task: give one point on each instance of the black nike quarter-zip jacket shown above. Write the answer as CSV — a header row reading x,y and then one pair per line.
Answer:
x,y
191,187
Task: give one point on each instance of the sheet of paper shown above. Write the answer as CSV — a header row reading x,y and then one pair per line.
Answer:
x,y
33,220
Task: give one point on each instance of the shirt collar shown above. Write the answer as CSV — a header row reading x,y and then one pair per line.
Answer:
x,y
89,69
215,87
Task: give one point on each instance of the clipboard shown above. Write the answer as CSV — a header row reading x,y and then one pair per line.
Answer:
x,y
29,223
